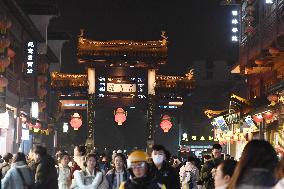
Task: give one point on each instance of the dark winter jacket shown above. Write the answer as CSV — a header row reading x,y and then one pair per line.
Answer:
x,y
205,173
46,173
167,175
257,178
142,183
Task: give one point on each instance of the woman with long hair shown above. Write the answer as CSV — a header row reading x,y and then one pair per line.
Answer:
x,y
64,171
118,173
256,167
90,178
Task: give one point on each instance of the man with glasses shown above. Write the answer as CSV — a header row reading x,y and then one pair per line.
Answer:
x,y
140,172
209,167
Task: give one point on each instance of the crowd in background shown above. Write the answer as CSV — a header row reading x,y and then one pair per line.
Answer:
x,y
258,168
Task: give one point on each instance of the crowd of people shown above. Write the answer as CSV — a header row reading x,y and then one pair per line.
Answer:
x,y
258,168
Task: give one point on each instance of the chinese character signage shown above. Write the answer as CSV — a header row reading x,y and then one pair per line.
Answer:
x,y
30,63
235,25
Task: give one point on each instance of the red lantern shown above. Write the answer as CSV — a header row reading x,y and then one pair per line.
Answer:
x,y
120,116
4,42
268,115
76,121
166,124
42,92
272,98
3,81
258,118
250,30
11,53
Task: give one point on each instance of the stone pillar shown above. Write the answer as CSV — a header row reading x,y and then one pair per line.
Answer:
x,y
151,108
91,108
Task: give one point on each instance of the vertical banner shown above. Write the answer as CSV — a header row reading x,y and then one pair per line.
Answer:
x,y
30,55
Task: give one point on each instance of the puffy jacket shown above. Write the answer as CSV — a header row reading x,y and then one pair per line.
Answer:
x,y
13,180
142,183
167,175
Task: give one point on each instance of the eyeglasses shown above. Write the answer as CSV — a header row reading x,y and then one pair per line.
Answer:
x,y
138,166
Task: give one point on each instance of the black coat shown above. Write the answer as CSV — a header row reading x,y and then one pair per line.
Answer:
x,y
46,174
142,183
167,175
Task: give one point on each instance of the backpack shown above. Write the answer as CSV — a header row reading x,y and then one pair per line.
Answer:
x,y
26,186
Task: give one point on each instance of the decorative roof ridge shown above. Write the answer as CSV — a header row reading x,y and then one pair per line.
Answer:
x,y
162,42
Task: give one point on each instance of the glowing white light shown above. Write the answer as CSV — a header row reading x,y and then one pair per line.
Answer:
x,y
4,123
184,137
234,38
235,13
65,127
269,1
235,30
235,21
34,109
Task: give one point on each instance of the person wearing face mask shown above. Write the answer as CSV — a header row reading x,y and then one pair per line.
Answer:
x,y
163,171
141,173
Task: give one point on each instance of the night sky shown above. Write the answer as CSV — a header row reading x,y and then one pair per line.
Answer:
x,y
197,29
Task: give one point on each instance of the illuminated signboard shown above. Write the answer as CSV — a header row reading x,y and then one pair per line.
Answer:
x,y
235,26
30,63
121,88
130,87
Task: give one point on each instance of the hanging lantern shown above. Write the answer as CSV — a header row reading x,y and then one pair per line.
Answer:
x,y
76,121
272,98
120,116
259,62
4,63
4,42
11,53
42,92
166,123
5,23
250,30
42,79
42,67
274,51
268,115
37,126
257,118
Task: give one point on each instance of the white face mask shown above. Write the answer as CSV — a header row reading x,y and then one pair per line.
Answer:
x,y
158,159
